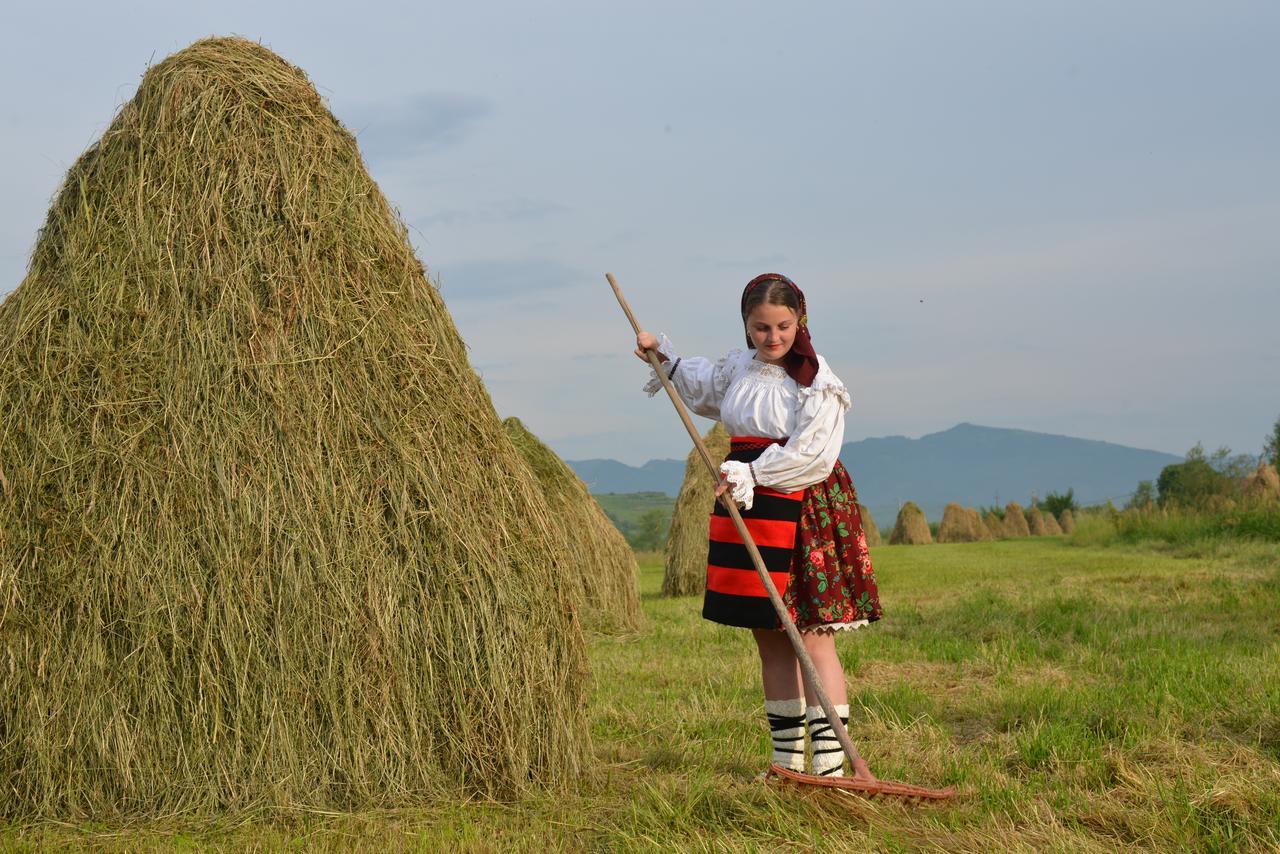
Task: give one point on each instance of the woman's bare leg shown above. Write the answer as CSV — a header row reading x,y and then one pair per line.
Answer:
x,y
821,647
779,669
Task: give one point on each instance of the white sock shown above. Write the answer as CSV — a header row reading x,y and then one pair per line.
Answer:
x,y
786,725
828,755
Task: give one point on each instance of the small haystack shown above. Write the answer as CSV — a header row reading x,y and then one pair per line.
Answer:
x,y
686,549
957,525
1067,522
1263,484
979,527
604,585
994,524
1051,526
1015,521
911,528
869,526
263,540
1035,522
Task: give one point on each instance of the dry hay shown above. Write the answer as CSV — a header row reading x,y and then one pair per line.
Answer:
x,y
1067,522
979,527
910,528
604,586
1035,522
686,550
1051,526
957,525
1263,484
263,540
1015,521
994,524
869,526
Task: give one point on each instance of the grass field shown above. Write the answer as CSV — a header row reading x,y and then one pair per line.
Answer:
x,y
1080,698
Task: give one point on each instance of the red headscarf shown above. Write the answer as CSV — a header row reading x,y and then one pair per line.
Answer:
x,y
801,362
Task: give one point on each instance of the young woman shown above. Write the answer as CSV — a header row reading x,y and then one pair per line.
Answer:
x,y
784,409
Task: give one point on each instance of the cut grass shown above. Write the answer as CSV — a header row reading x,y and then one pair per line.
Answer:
x,y
1079,698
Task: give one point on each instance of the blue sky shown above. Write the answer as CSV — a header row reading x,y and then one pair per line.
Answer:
x,y
1057,216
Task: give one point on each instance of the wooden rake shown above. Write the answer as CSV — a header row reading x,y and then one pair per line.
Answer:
x,y
868,788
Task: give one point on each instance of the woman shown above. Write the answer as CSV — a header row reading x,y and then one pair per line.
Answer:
x,y
784,408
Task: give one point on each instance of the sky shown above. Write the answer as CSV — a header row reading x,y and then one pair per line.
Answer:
x,y
1054,216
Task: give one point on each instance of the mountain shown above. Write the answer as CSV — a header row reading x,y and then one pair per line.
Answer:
x,y
603,476
970,464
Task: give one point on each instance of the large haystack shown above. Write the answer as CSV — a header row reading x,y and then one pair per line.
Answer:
x,y
263,539
1035,522
605,584
911,528
1263,484
980,529
994,524
869,526
1051,526
957,526
686,549
1067,522
1015,521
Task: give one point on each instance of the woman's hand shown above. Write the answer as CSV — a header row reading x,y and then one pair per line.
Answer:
x,y
646,341
723,487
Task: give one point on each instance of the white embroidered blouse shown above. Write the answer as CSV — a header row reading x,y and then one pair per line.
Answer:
x,y
754,398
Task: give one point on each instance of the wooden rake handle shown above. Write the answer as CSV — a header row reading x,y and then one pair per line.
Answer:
x,y
797,642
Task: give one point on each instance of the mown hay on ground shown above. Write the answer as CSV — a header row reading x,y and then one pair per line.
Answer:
x,y
264,542
604,584
911,528
1015,521
957,525
1067,522
685,554
869,526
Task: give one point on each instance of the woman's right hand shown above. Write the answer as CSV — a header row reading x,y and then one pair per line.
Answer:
x,y
646,341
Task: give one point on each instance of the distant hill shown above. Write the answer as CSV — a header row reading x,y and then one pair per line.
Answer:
x,y
971,464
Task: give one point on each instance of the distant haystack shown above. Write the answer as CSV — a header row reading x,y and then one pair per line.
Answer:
x,y
980,529
263,541
1051,526
911,527
1263,484
957,525
603,578
1035,522
994,524
686,549
869,526
1068,522
1015,521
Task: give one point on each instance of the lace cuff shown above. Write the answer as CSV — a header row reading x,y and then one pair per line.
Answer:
x,y
826,387
654,385
742,486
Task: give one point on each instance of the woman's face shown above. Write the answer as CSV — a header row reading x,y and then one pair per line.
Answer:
x,y
772,329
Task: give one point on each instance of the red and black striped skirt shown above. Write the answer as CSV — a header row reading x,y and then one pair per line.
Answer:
x,y
813,547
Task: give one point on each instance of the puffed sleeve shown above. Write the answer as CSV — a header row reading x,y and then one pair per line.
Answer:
x,y
811,452
701,383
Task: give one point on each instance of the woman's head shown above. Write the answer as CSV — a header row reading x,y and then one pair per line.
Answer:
x,y
775,320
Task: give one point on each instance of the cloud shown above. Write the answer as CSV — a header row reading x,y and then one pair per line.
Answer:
x,y
422,122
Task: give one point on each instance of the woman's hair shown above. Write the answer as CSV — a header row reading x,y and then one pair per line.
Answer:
x,y
774,292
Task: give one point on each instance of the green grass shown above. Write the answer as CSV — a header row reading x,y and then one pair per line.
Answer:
x,y
627,511
1080,698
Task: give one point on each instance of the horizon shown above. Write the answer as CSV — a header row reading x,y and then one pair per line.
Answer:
x,y
1051,217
